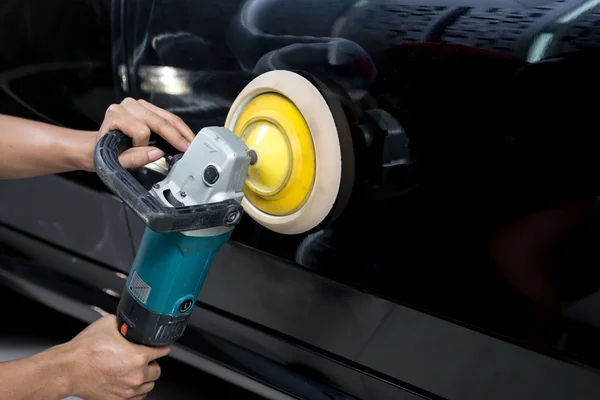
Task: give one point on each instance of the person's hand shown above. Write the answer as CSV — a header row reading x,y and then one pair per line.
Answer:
x,y
106,366
136,119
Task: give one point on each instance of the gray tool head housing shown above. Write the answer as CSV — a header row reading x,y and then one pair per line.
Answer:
x,y
213,169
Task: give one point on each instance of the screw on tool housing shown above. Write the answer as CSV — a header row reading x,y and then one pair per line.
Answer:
x,y
233,217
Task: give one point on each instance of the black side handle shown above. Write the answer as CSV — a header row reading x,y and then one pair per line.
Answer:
x,y
156,216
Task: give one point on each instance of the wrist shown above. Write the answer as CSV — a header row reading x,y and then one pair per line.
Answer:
x,y
81,151
55,369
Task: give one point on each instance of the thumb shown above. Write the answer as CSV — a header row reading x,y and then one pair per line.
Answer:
x,y
154,353
139,156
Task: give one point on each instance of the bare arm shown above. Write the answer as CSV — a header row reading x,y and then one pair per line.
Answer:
x,y
30,148
38,376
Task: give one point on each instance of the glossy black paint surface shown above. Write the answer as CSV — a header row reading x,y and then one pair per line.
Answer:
x,y
465,83
495,128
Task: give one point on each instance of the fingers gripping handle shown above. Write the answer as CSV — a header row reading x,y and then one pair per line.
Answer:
x,y
156,216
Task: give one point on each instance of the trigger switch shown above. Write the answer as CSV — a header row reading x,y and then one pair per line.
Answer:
x,y
173,159
211,175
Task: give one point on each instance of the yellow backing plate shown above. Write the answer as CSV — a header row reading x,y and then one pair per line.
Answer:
x,y
281,180
295,183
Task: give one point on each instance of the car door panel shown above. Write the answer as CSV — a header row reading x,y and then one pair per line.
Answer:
x,y
68,215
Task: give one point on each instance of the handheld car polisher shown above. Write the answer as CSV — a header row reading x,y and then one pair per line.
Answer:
x,y
279,158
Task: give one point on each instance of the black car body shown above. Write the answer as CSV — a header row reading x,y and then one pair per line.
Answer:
x,y
397,299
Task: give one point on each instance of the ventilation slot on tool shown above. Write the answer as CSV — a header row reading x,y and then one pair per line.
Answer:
x,y
170,331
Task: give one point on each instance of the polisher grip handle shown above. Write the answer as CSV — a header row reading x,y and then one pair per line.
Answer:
x,y
156,216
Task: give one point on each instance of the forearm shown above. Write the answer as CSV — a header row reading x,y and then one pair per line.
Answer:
x,y
41,376
30,148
